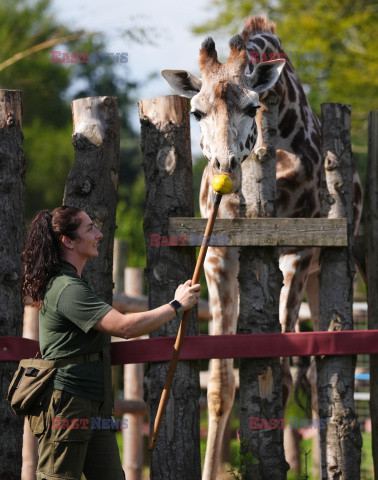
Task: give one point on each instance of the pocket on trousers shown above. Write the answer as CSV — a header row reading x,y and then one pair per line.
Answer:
x,y
37,423
70,417
38,416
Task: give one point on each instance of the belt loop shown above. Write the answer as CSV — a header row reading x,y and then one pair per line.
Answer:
x,y
87,357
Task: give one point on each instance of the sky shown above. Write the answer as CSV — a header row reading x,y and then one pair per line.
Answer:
x,y
173,45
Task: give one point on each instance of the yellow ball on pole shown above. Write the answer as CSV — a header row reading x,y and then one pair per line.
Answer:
x,y
222,184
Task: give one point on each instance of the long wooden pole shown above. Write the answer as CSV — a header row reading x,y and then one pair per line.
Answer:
x,y
183,327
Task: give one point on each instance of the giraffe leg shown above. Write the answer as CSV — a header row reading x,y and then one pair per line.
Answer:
x,y
221,268
312,293
294,267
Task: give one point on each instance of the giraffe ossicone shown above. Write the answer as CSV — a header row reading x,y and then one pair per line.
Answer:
x,y
225,101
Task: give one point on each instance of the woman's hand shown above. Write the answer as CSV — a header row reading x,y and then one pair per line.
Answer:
x,y
188,295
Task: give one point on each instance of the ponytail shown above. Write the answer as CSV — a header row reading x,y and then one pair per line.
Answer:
x,y
42,258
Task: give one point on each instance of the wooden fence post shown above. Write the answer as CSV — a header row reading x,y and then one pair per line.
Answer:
x,y
371,251
119,264
92,186
12,185
167,164
29,441
341,439
133,390
260,281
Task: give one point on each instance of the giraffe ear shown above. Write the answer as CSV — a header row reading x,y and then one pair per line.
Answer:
x,y
265,75
183,82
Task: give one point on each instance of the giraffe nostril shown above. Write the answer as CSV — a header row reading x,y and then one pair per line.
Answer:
x,y
233,163
217,164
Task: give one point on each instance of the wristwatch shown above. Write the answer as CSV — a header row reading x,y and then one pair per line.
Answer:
x,y
177,306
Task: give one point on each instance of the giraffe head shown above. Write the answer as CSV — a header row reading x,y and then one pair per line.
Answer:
x,y
225,101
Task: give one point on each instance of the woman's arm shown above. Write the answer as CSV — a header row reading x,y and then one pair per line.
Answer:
x,y
136,324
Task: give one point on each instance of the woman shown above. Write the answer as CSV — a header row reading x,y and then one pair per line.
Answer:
x,y
74,322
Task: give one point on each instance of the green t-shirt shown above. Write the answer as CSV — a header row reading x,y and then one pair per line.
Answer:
x,y
69,311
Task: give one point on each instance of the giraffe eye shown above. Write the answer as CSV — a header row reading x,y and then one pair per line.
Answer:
x,y
251,110
198,115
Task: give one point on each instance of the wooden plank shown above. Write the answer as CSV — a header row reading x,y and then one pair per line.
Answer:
x,y
283,232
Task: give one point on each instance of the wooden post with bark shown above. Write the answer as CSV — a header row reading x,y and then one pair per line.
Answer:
x,y
371,245
167,164
341,439
92,186
12,186
260,281
133,390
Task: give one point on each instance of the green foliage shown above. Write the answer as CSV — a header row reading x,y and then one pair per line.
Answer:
x,y
42,82
130,212
48,89
49,155
244,461
344,30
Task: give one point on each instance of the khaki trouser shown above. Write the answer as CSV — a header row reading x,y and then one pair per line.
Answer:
x,y
69,448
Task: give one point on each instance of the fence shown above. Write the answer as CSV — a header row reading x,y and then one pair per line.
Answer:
x,y
168,176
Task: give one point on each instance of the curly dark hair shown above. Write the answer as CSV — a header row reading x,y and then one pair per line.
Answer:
x,y
42,258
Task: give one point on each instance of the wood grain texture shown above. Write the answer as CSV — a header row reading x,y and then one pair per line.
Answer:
x,y
341,439
12,185
167,165
92,186
260,281
259,232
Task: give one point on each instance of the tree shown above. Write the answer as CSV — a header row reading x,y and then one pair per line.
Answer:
x,y
48,89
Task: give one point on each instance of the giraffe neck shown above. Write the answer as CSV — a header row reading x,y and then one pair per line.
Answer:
x,y
266,46
298,126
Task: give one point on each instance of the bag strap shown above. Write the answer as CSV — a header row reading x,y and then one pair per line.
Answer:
x,y
60,362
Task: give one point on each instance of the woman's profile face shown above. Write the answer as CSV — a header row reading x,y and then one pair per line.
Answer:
x,y
88,237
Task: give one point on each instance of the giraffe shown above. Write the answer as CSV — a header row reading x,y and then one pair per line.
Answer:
x,y
225,102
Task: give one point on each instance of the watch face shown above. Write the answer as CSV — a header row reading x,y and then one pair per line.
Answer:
x,y
176,305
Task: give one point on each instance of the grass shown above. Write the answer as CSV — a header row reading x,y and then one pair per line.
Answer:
x,y
367,471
